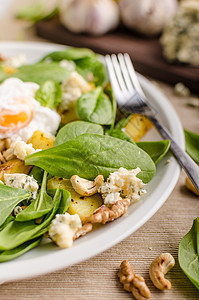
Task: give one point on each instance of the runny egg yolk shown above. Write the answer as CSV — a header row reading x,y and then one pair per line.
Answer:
x,y
20,114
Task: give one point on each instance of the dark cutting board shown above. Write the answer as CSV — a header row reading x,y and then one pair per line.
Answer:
x,y
145,53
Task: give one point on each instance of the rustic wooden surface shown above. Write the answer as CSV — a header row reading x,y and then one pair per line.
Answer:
x,y
96,278
145,53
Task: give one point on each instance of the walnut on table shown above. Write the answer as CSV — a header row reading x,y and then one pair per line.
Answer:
x,y
133,283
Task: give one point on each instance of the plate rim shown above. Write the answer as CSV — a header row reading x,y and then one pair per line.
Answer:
x,y
28,268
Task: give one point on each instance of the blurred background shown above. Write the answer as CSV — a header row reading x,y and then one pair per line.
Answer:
x,y
162,37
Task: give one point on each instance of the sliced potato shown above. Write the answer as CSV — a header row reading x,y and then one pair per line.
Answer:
x,y
13,166
68,115
41,140
83,206
137,127
190,186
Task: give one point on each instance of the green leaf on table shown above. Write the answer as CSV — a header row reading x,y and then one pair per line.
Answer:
x,y
36,12
89,155
95,107
42,72
117,133
188,253
192,145
17,233
72,130
14,253
39,207
49,94
156,150
9,198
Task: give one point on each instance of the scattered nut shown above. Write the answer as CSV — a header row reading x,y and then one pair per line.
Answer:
x,y
158,268
8,154
181,90
190,186
2,159
86,187
83,230
133,283
105,214
2,145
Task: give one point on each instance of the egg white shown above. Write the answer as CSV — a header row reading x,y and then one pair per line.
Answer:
x,y
44,118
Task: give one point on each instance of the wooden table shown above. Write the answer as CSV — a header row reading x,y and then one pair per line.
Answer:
x,y
96,278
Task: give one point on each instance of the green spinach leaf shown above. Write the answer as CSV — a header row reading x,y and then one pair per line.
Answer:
x,y
65,202
14,253
36,12
69,54
117,133
42,72
95,107
39,207
90,67
89,155
123,122
109,92
2,74
188,253
49,94
9,198
192,145
37,174
8,220
17,233
76,128
156,150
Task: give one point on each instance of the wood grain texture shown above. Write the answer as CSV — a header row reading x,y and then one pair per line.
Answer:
x,y
145,53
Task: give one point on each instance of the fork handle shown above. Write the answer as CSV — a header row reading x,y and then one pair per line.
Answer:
x,y
190,167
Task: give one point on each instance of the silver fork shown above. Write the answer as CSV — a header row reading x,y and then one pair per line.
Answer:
x,y
130,98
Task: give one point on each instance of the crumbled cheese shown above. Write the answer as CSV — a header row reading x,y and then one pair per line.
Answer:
x,y
15,61
180,40
122,183
17,210
74,86
68,64
20,149
181,90
63,228
22,181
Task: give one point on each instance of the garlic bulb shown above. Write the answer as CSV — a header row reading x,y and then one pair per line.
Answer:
x,y
89,16
147,16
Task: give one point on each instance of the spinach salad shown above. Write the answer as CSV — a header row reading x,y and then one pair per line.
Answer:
x,y
92,139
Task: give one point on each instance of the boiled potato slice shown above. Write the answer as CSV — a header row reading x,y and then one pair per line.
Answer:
x,y
41,140
13,166
68,115
83,206
137,127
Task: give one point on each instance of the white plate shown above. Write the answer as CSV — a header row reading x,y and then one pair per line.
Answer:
x,y
47,257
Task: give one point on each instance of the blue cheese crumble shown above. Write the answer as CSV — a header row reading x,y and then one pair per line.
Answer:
x,y
63,229
122,184
22,181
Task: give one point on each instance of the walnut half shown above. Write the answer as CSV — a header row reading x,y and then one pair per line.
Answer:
x,y
133,283
105,214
